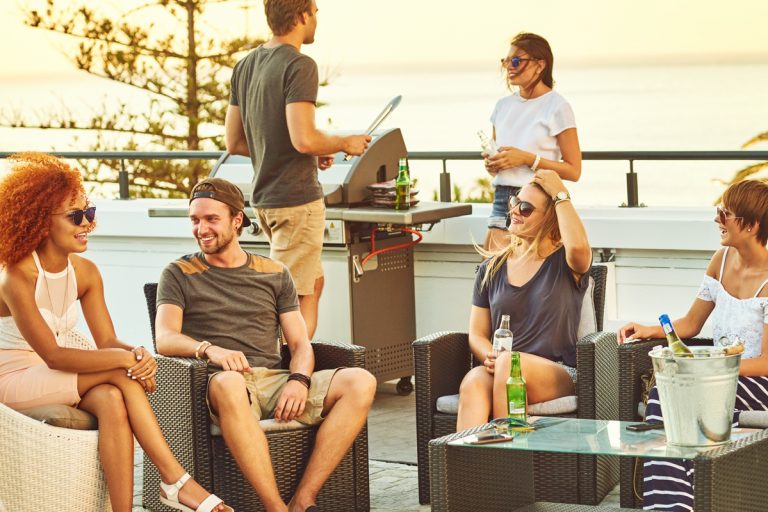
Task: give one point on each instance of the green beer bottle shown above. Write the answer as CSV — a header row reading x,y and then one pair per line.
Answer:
x,y
679,348
403,187
516,393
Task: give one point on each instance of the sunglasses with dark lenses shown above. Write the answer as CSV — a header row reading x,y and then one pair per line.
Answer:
x,y
526,208
513,61
76,216
723,215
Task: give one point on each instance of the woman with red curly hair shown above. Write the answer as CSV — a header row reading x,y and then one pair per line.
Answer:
x,y
45,221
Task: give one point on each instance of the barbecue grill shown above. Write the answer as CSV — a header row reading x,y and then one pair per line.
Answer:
x,y
368,298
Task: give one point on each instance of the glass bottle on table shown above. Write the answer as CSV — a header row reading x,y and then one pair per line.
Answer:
x,y
679,348
403,187
502,337
517,395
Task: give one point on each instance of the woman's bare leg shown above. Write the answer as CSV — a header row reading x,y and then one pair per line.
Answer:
x,y
144,426
474,398
545,380
115,442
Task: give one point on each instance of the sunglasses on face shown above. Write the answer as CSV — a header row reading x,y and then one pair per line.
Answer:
x,y
514,62
76,216
723,215
525,208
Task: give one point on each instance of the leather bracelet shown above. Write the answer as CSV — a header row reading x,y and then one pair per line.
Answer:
x,y
307,381
201,345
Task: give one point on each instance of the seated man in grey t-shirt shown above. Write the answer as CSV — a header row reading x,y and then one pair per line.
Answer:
x,y
226,305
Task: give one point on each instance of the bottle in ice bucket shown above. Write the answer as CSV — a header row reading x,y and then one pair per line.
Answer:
x,y
502,338
516,393
679,348
488,145
403,187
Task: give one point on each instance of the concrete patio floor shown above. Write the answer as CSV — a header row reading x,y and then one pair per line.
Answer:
x,y
392,452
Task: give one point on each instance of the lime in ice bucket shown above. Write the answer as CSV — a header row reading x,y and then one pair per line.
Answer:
x,y
697,394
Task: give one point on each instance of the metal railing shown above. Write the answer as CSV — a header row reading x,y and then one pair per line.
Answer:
x,y
442,156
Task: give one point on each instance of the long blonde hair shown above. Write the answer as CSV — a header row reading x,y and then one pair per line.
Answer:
x,y
549,229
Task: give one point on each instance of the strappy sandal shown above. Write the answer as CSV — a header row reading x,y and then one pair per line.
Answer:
x,y
171,498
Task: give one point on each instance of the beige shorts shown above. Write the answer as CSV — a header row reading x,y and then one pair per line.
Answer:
x,y
295,237
264,386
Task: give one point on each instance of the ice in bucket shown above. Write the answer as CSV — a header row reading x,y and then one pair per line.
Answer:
x,y
697,394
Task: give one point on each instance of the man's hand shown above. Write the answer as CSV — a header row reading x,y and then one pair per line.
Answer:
x,y
355,145
292,400
324,162
228,359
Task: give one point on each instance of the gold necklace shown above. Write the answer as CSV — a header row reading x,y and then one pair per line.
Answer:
x,y
64,308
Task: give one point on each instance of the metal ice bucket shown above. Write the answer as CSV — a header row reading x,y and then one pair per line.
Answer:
x,y
697,395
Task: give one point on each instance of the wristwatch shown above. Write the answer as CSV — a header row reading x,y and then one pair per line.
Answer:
x,y
563,195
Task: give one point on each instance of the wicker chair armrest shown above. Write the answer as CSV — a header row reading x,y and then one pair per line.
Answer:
x,y
180,406
597,361
333,354
441,360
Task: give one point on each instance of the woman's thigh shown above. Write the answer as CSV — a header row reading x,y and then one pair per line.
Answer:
x,y
545,379
36,384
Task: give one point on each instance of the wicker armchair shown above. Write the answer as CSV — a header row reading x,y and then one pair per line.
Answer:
x,y
36,471
442,360
181,410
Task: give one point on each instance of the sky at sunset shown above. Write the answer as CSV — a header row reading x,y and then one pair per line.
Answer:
x,y
423,33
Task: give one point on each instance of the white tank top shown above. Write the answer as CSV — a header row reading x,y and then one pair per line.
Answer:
x,y
734,317
56,298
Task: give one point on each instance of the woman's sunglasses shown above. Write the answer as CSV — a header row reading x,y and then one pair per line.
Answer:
x,y
723,215
514,61
526,208
76,216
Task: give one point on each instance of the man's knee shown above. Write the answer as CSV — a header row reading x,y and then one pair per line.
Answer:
x,y
226,390
475,382
357,383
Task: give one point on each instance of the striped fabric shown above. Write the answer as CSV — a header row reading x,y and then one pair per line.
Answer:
x,y
668,484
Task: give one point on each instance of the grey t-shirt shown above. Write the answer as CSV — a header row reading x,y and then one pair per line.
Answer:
x,y
263,83
234,308
544,312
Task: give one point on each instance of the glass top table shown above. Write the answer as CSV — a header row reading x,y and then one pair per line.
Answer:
x,y
596,437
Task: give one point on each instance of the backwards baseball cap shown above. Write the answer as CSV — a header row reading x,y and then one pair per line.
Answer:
x,y
223,191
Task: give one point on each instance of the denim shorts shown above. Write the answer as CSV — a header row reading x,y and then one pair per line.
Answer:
x,y
499,218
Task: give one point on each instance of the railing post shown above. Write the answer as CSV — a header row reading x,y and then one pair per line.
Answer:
x,y
632,200
445,184
122,180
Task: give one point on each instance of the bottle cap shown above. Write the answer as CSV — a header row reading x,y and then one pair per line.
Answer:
x,y
664,319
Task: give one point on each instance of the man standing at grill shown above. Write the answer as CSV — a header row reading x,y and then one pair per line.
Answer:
x,y
226,305
271,118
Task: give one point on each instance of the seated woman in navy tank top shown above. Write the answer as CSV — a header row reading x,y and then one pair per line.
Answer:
x,y
539,280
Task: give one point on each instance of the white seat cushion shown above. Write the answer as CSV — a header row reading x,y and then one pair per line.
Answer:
x,y
753,419
588,320
449,404
269,426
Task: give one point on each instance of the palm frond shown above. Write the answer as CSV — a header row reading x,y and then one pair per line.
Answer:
x,y
762,137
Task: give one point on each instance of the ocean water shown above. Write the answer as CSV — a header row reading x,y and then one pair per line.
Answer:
x,y
682,107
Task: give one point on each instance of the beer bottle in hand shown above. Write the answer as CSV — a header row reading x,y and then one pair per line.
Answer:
x,y
403,187
502,338
679,348
517,397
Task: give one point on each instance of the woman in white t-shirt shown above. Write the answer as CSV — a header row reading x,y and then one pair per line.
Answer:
x,y
534,128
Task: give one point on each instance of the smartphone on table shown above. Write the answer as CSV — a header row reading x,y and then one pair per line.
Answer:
x,y
488,436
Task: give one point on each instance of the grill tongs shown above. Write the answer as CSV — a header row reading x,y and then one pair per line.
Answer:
x,y
392,105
